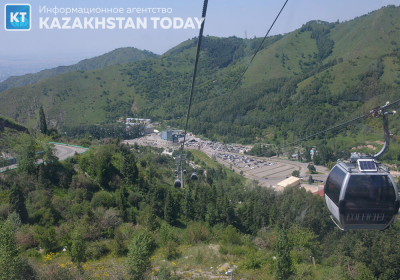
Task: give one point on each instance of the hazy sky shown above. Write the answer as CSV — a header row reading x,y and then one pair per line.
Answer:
x,y
224,18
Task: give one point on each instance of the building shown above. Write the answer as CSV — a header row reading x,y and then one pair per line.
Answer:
x,y
148,130
175,136
289,182
167,135
133,121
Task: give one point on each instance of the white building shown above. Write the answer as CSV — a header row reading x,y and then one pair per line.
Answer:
x,y
132,121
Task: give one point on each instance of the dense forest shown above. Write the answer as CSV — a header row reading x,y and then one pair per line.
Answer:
x,y
113,212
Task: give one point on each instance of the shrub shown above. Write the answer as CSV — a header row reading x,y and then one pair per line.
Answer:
x,y
252,261
104,199
140,250
197,232
119,246
96,250
231,236
171,251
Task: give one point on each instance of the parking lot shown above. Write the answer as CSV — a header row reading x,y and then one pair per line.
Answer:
x,y
268,171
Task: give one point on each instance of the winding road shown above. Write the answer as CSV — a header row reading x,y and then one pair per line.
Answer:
x,y
63,151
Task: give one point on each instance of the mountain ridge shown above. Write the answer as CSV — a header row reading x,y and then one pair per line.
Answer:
x,y
120,55
340,68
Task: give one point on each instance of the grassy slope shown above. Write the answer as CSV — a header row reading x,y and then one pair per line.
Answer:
x,y
268,62
120,55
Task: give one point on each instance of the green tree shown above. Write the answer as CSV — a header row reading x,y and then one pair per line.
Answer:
x,y
141,248
169,209
189,203
283,260
307,154
122,203
42,121
312,169
129,168
17,202
10,262
296,173
41,184
77,248
212,214
47,238
310,180
147,218
118,246
26,151
49,153
15,220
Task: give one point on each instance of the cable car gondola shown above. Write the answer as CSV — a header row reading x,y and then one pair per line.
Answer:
x,y
362,194
177,183
184,171
194,176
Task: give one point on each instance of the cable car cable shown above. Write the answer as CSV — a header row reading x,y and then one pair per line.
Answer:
x,y
203,16
372,112
259,47
197,58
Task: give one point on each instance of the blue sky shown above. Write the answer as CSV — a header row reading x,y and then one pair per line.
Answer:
x,y
224,18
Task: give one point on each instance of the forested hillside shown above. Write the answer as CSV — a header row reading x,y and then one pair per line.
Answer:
x,y
117,215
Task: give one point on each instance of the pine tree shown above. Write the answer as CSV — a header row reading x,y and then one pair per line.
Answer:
x,y
188,204
283,260
129,168
212,214
26,161
42,121
17,202
122,204
169,209
41,183
227,213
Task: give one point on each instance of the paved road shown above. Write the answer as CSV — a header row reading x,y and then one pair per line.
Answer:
x,y
63,152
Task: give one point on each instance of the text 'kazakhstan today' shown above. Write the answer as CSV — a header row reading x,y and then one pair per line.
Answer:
x,y
119,23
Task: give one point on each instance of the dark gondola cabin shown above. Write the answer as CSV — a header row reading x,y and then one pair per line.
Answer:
x,y
194,176
177,183
361,194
